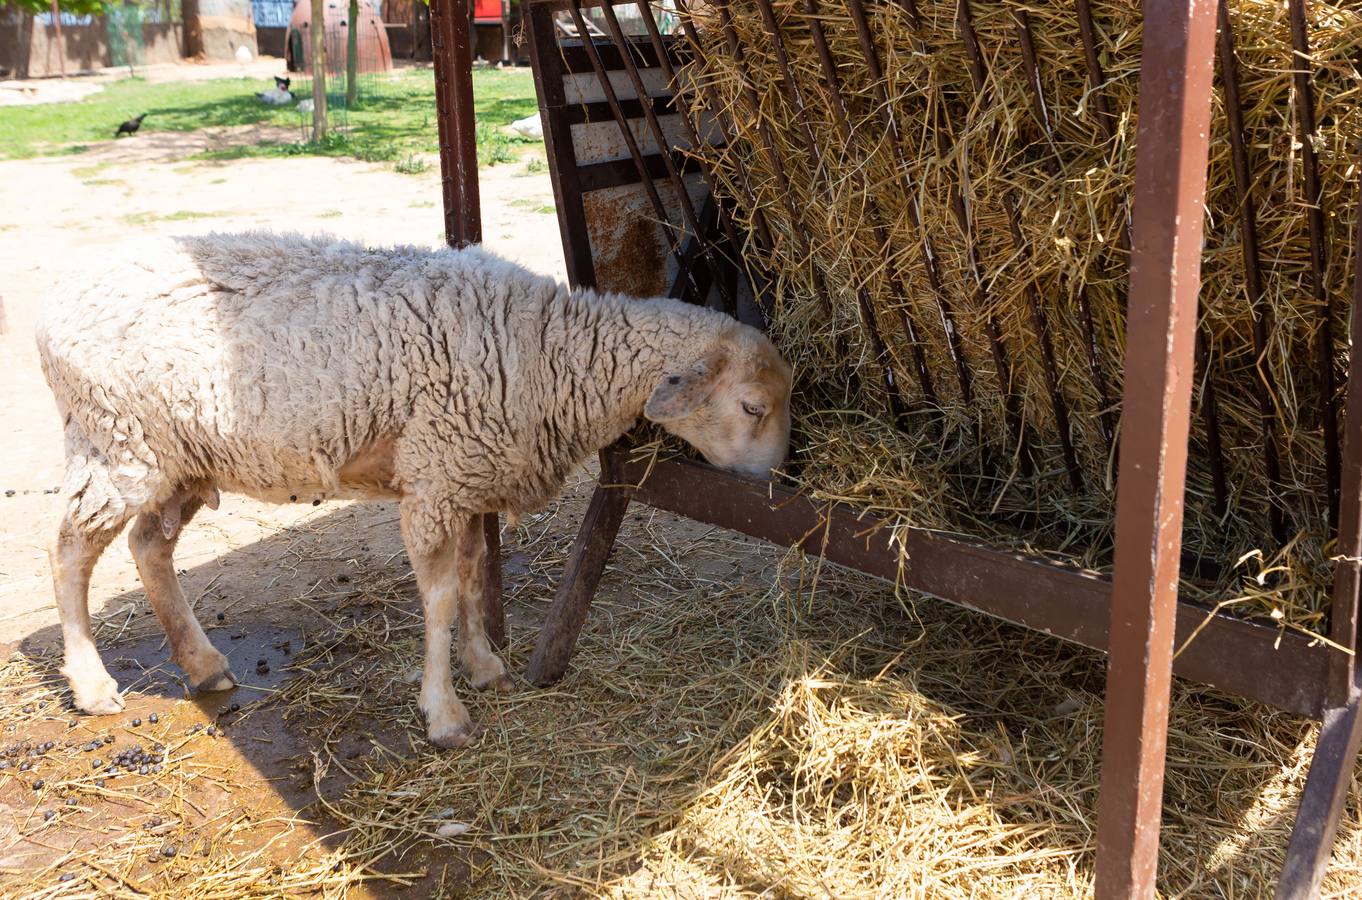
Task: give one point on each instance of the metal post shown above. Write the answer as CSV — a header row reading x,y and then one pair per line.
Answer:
x,y
450,28
1170,186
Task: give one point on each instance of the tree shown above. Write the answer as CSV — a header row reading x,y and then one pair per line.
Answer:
x,y
352,56
318,70
77,7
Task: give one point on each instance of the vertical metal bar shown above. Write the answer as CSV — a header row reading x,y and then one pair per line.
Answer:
x,y
795,97
548,82
1324,342
1170,187
797,226
456,121
664,150
1343,613
1097,79
611,99
726,131
1335,756
1210,414
692,131
1248,237
449,25
1041,323
1322,802
1012,406
894,136
1032,66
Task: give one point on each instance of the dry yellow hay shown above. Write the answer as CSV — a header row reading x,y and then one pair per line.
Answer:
x,y
727,730
957,467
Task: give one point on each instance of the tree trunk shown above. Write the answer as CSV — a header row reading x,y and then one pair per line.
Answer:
x,y
352,56
318,28
61,46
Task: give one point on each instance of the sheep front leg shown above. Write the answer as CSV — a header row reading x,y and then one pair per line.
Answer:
x,y
433,560
73,556
482,666
189,646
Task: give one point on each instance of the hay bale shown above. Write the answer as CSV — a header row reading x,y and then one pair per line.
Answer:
x,y
1045,188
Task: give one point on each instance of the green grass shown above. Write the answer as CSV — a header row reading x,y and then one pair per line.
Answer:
x,y
147,218
535,206
395,122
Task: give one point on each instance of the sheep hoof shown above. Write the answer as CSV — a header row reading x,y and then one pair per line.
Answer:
x,y
455,736
220,681
502,684
103,701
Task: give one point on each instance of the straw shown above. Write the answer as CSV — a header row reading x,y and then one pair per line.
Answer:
x,y
1069,172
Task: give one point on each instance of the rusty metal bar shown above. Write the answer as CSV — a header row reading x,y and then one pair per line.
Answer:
x,y
762,237
1336,751
895,398
1041,323
586,563
664,150
872,60
563,170
1322,803
1343,613
1253,281
455,121
1073,605
795,97
449,27
1097,79
1039,320
645,177
1032,65
692,132
1170,187
833,85
1305,116
726,132
1210,414
1335,756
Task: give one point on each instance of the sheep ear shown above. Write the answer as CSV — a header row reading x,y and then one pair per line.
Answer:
x,y
681,393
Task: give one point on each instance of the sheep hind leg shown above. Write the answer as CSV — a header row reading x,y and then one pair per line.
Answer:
x,y
190,648
73,556
447,721
480,663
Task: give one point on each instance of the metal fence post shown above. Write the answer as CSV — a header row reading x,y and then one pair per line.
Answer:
x,y
1170,186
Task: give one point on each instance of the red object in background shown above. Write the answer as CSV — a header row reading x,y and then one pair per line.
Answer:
x,y
487,11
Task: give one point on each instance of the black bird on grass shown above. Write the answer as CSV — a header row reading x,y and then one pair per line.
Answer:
x,y
130,126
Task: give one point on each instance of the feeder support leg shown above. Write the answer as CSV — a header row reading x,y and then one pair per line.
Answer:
x,y
1170,186
586,564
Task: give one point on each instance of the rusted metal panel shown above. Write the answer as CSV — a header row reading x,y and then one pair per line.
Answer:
x,y
1170,186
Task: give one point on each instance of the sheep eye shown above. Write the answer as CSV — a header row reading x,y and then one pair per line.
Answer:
x,y
753,409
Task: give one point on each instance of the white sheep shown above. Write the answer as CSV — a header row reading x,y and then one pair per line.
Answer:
x,y
290,368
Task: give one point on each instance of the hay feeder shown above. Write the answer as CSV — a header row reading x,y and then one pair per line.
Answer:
x,y
649,201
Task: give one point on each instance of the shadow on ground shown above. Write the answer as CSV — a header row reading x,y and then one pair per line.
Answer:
x,y
726,727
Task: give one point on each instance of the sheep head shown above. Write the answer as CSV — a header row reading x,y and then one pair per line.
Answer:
x,y
732,403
